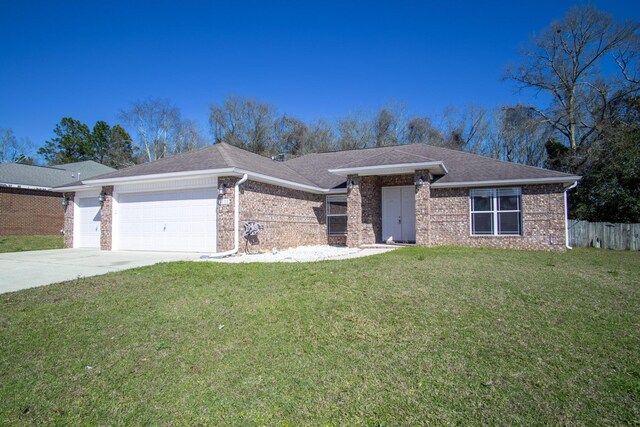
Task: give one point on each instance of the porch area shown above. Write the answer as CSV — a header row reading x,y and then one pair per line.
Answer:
x,y
388,209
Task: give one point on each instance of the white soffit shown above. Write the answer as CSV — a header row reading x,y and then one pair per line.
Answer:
x,y
401,168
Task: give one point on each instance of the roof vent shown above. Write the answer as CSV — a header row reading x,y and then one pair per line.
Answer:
x,y
281,157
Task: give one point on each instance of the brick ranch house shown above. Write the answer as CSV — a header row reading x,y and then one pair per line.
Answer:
x,y
430,196
27,205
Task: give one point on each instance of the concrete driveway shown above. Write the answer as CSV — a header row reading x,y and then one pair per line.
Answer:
x,y
21,270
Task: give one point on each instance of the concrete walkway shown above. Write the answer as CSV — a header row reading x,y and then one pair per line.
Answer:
x,y
21,270
306,254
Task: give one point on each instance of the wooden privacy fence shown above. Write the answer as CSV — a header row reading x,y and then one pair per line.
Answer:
x,y
604,235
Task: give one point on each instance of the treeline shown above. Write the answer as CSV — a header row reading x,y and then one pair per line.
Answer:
x,y
511,133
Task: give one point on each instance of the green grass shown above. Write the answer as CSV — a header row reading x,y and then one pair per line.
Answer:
x,y
29,243
415,336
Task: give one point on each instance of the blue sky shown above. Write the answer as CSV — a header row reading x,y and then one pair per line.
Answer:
x,y
88,59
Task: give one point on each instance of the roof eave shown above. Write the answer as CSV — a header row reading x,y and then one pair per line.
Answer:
x,y
437,168
73,188
24,187
191,174
284,183
157,177
568,180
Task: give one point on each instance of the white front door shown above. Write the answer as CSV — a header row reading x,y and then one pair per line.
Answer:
x,y
398,214
86,228
176,221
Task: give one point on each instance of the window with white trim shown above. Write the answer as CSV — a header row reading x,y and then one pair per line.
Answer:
x,y
337,215
496,212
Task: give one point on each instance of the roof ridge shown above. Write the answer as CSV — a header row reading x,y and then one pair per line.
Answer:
x,y
370,148
222,149
55,167
225,147
360,160
395,148
414,154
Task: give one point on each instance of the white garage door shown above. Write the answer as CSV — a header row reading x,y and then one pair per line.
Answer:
x,y
180,221
86,222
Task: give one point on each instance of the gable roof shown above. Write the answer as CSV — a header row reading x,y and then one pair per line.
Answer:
x,y
324,172
47,177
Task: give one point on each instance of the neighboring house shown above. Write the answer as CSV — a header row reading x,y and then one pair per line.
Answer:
x,y
416,193
27,204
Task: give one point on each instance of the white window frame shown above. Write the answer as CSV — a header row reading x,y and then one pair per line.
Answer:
x,y
328,201
495,194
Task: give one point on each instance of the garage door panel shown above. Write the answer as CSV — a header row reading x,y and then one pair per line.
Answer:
x,y
87,223
181,220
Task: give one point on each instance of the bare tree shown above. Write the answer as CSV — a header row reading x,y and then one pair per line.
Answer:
x,y
246,123
9,149
385,128
355,132
419,130
563,62
322,137
154,121
291,135
464,129
519,136
13,149
187,136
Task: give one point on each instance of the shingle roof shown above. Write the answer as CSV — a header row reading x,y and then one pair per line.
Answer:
x,y
313,169
218,156
49,176
461,166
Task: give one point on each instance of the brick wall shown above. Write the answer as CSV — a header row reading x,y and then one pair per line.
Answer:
x,y
30,212
295,218
290,217
542,219
442,215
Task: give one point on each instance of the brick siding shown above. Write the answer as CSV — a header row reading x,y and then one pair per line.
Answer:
x,y
30,212
443,216
542,219
290,217
296,218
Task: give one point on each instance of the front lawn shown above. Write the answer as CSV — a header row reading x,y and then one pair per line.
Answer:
x,y
415,336
29,243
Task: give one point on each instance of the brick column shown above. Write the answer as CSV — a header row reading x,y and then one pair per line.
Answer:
x,y
225,215
68,221
371,219
423,209
106,219
354,212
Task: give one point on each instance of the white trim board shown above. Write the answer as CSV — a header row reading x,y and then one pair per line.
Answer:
x,y
508,182
392,169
